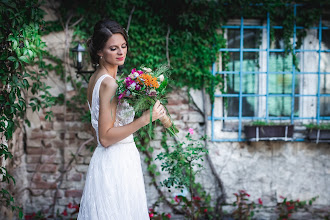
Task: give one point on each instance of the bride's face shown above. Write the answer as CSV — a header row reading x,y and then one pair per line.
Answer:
x,y
114,51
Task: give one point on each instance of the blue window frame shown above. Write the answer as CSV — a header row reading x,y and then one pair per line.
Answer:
x,y
272,90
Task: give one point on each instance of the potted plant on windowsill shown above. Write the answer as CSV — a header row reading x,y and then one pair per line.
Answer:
x,y
318,133
260,130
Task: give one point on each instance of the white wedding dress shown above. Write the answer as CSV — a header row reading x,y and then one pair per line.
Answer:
x,y
114,187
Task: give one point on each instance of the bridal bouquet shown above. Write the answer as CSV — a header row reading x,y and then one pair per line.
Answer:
x,y
142,88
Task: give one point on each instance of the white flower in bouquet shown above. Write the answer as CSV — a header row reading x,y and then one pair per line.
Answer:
x,y
146,69
161,78
136,74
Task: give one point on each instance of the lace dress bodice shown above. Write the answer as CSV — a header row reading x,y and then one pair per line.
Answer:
x,y
124,113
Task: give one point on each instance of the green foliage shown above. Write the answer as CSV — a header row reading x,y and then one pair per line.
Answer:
x,y
21,48
193,39
264,123
320,126
244,209
8,201
182,162
287,207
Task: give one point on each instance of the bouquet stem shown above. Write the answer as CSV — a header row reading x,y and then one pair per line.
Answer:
x,y
166,121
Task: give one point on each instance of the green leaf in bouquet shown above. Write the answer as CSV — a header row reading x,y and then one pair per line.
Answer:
x,y
163,86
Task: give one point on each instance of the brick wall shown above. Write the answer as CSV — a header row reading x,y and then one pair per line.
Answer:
x,y
52,162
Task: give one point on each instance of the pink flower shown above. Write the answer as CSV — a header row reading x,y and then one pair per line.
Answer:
x,y
65,213
140,72
291,207
128,81
121,96
260,201
245,193
191,131
151,215
177,199
168,215
133,70
197,198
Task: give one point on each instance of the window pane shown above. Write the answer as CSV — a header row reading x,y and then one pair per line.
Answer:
x,y
251,61
249,106
325,40
280,83
234,63
278,42
252,38
325,84
279,106
232,106
250,83
233,38
249,86
233,83
279,62
324,106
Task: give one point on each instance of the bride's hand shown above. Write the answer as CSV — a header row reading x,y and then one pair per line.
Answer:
x,y
158,111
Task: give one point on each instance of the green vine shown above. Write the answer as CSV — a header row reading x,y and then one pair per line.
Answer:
x,y
22,71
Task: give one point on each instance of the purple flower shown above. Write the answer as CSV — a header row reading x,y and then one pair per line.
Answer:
x,y
120,96
138,87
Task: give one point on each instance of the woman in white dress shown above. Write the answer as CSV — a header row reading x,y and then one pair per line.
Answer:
x,y
114,187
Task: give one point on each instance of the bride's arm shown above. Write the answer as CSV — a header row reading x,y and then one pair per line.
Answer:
x,y
108,134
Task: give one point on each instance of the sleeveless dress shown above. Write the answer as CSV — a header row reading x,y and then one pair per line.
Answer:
x,y
114,187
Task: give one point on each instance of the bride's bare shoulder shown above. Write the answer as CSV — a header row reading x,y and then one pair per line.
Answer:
x,y
108,84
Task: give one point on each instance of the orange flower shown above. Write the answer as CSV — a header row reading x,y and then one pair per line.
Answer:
x,y
148,80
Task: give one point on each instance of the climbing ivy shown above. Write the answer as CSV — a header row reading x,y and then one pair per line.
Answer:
x,y
22,71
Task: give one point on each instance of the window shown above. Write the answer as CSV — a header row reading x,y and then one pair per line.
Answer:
x,y
262,83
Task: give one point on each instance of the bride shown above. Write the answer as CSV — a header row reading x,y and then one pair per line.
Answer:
x,y
114,187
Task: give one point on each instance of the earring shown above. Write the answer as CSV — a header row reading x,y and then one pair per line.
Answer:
x,y
101,57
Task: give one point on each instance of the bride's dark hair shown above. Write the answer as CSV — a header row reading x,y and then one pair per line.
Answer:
x,y
103,30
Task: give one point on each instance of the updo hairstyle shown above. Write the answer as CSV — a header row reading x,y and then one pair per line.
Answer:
x,y
103,30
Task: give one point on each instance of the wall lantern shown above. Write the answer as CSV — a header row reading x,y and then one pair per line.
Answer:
x,y
78,59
